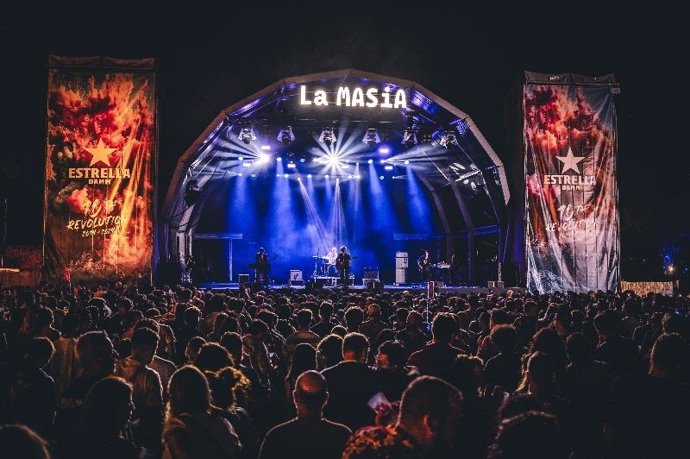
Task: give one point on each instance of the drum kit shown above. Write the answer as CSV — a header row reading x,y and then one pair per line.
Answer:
x,y
322,266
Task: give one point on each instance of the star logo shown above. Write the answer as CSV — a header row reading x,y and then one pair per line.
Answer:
x,y
570,162
100,153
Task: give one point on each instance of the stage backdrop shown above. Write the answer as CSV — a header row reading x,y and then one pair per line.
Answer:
x,y
571,197
100,163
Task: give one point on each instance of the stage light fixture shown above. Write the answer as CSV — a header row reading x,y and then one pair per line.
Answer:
x,y
333,161
407,161
388,167
279,158
448,138
371,137
409,137
327,136
291,165
371,161
263,158
240,158
286,175
247,135
308,175
266,147
286,136
384,150
327,176
381,177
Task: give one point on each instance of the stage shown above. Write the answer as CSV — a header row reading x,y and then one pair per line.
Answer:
x,y
389,288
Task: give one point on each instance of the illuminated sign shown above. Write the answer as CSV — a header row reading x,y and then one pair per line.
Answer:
x,y
355,97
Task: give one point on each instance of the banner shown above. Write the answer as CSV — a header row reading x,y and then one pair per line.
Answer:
x,y
571,197
100,161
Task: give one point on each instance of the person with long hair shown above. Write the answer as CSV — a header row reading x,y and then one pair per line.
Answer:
x,y
194,428
303,359
107,411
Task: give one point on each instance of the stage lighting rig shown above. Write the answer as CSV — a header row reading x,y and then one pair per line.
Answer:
x,y
448,138
247,135
371,137
327,136
286,136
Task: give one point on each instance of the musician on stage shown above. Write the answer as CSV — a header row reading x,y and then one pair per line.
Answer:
x,y
424,265
262,267
342,264
331,258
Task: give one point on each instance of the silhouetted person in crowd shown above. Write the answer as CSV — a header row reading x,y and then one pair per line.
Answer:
x,y
228,388
351,383
329,351
534,435
22,443
302,335
647,410
147,388
63,366
107,410
194,429
614,349
437,357
392,376
373,325
324,326
96,359
309,435
426,427
27,392
412,336
303,359
504,368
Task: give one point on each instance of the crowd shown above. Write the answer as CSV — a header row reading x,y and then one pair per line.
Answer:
x,y
115,371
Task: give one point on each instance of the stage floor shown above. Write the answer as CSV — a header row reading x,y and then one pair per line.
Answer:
x,y
453,289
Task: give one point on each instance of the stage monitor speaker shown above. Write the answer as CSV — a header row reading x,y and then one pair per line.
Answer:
x,y
244,278
296,277
373,284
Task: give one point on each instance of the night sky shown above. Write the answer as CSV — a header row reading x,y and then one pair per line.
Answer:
x,y
472,55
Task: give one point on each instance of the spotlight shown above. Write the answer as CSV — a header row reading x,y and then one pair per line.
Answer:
x,y
279,159
265,147
247,135
371,161
409,137
371,137
407,161
327,176
263,158
349,176
302,160
388,167
286,136
333,161
358,176
308,175
384,150
240,174
291,165
327,136
448,138
240,158
381,177
286,175
253,175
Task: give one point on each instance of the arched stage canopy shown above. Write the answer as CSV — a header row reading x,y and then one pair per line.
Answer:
x,y
408,127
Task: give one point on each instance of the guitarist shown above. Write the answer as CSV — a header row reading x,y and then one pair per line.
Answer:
x,y
424,265
263,267
342,264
